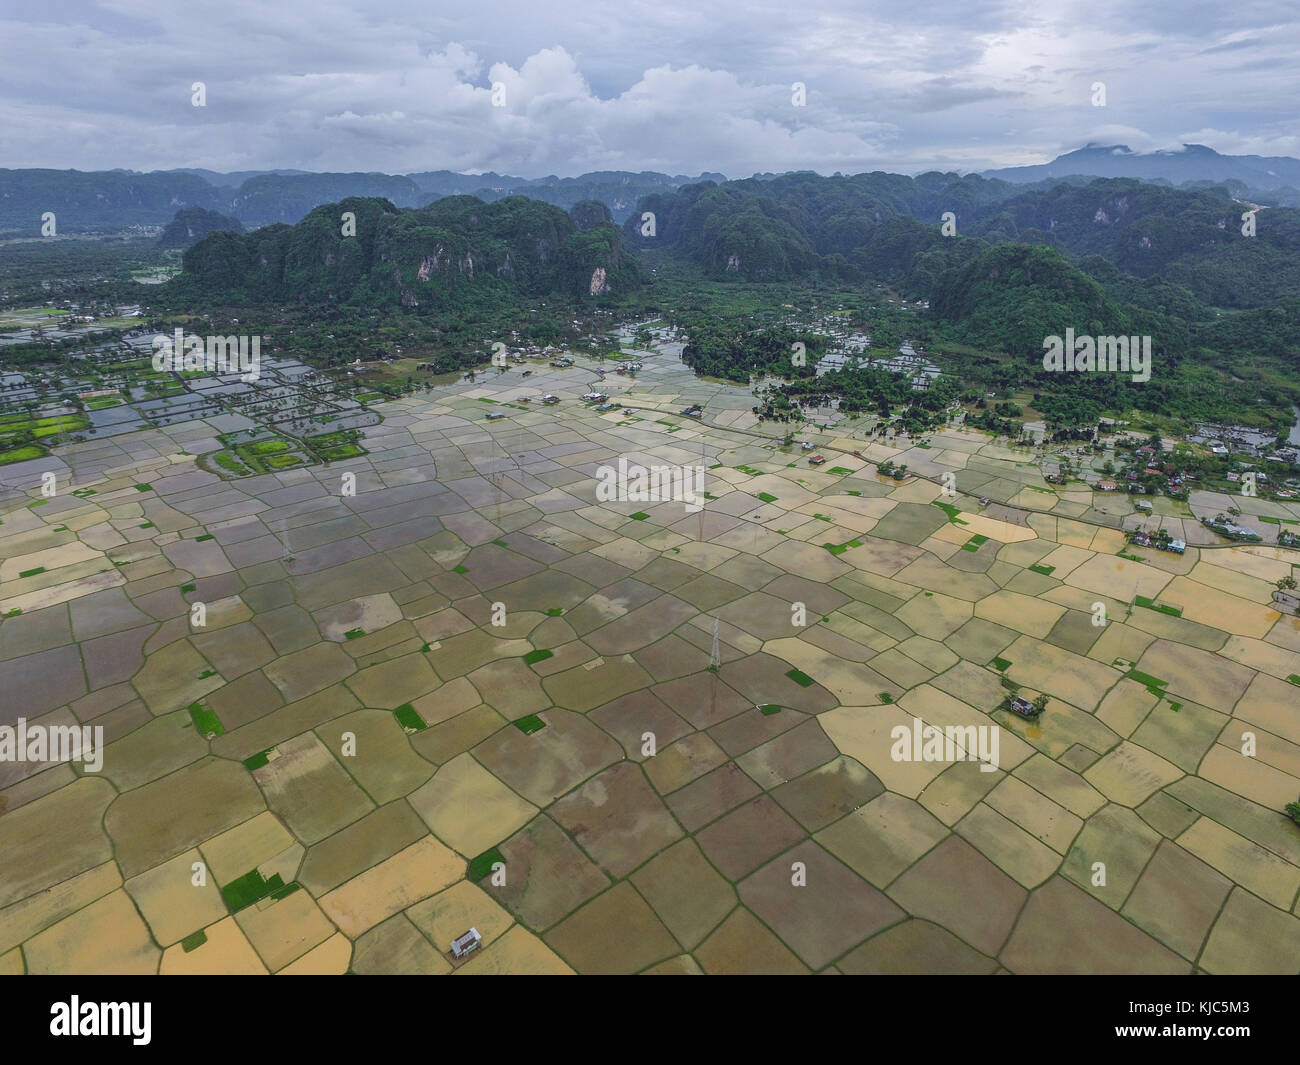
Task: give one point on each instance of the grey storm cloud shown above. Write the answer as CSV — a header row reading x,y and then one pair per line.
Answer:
x,y
401,85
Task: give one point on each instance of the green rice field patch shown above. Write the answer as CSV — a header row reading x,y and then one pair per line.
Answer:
x,y
951,511
408,718
205,720
482,865
250,888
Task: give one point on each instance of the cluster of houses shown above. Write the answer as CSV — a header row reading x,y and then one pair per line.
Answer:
x,y
1161,541
1226,527
1240,440
1149,463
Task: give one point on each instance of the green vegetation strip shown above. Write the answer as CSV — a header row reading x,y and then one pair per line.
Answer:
x,y
22,454
1153,684
530,724
1150,604
1046,571
539,655
194,940
800,678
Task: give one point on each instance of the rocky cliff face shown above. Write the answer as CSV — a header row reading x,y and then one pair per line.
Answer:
x,y
419,257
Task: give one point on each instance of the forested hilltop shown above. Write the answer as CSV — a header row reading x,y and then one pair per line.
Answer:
x,y
860,227
1018,264
192,224
1111,256
455,255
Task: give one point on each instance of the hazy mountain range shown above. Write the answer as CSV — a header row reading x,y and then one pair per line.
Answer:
x,y
1194,163
91,201
111,200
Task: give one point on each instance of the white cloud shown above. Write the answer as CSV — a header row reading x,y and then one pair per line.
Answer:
x,y
401,85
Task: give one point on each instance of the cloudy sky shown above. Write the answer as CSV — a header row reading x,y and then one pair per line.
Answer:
x,y
681,86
